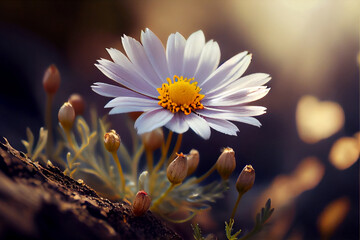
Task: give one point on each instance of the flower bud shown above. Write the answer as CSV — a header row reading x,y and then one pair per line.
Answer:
x,y
78,103
141,203
246,179
153,140
66,116
112,141
177,169
226,163
51,79
192,161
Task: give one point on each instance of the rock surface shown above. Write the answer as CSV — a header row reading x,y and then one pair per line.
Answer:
x,y
42,203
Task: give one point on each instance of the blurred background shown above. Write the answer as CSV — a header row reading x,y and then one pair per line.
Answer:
x,y
305,154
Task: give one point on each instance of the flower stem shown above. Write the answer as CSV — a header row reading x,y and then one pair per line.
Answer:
x,y
162,197
210,171
149,160
164,151
176,148
236,205
135,162
48,124
116,158
69,140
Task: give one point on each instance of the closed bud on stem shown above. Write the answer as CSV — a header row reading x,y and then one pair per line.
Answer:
x,y
246,179
112,141
66,116
177,169
153,140
192,161
51,80
226,163
141,203
78,103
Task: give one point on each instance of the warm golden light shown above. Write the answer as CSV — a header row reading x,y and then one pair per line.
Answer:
x,y
285,188
318,120
332,216
344,152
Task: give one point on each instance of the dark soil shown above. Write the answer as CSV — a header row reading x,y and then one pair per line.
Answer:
x,y
39,202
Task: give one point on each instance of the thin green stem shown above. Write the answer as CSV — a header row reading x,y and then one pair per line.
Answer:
x,y
192,215
135,162
48,124
162,197
164,151
149,160
176,148
236,205
210,171
69,140
122,178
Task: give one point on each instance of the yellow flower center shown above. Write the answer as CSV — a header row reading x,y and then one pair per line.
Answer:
x,y
180,94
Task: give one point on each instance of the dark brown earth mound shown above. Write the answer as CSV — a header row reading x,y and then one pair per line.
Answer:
x,y
42,203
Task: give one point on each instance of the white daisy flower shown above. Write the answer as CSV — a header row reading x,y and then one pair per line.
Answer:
x,y
181,87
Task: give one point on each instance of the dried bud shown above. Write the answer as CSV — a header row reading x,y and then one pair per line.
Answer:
x,y
112,141
51,79
141,203
78,103
153,140
192,161
246,179
66,116
226,163
177,170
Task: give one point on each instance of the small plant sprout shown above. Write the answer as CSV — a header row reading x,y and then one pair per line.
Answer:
x,y
243,184
112,143
66,116
78,103
51,83
193,159
226,163
141,203
176,173
51,80
152,141
246,179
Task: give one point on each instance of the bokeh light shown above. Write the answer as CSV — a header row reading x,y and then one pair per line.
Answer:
x,y
344,153
318,120
332,216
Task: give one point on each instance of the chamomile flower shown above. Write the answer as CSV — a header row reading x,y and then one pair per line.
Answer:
x,y
182,86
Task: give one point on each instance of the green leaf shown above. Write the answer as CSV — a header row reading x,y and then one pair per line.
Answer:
x,y
197,232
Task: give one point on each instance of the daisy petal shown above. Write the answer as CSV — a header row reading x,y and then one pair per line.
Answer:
x,y
177,124
198,125
132,104
193,49
226,72
150,120
237,98
232,116
209,61
109,90
126,77
223,126
138,101
253,80
175,53
242,110
137,56
156,53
